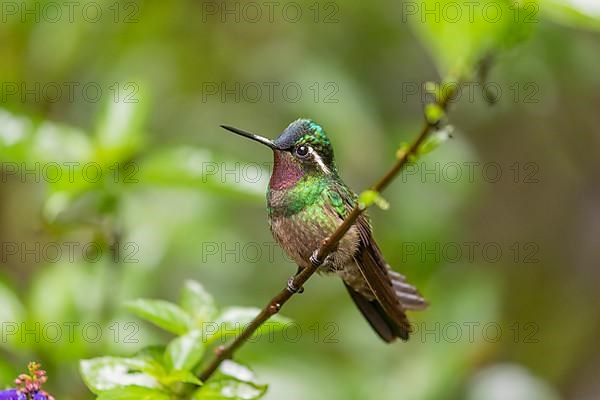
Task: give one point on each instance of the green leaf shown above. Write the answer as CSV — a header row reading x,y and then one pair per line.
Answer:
x,y
573,12
133,393
235,370
233,320
433,113
459,33
55,142
198,302
15,137
229,389
435,140
402,150
369,197
162,313
184,352
119,127
150,360
107,373
382,203
232,381
180,377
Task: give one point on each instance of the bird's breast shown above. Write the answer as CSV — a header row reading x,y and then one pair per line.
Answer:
x,y
303,232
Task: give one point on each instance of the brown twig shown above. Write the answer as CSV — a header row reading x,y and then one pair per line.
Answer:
x,y
273,307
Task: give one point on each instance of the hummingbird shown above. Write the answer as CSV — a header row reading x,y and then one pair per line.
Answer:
x,y
306,201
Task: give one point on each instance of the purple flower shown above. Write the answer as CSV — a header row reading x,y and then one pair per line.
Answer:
x,y
28,385
12,394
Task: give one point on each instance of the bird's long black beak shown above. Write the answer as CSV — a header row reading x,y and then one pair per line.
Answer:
x,y
252,136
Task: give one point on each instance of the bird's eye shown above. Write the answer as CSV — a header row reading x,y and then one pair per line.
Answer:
x,y
302,151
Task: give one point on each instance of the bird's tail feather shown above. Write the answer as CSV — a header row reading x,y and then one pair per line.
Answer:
x,y
379,320
409,296
391,295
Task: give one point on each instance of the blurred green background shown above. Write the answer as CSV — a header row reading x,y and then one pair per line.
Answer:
x,y
499,227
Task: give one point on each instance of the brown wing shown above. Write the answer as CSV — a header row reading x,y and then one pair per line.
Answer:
x,y
392,295
375,272
408,296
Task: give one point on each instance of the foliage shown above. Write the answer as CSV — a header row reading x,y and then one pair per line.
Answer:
x,y
168,372
164,187
463,35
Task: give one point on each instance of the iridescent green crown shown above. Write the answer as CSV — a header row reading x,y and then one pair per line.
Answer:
x,y
305,131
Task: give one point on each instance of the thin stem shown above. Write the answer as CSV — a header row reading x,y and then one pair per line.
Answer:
x,y
226,352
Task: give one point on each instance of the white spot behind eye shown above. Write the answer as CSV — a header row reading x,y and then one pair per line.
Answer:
x,y
318,160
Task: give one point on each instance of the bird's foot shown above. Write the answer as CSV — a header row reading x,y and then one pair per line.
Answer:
x,y
292,288
314,259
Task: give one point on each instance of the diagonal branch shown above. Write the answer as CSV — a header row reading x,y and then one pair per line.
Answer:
x,y
226,352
